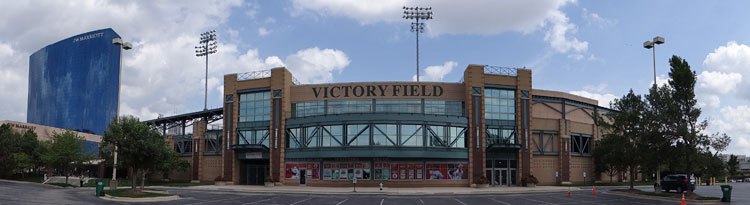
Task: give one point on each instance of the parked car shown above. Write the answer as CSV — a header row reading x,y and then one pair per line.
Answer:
x,y
678,182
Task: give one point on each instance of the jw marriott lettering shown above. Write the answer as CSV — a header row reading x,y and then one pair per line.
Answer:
x,y
377,90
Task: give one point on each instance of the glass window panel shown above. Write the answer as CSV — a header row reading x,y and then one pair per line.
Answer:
x,y
361,140
411,135
436,136
383,133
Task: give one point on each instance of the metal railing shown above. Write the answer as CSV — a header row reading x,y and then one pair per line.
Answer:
x,y
499,70
260,74
254,75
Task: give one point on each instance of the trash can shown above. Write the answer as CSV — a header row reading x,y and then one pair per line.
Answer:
x,y
727,190
99,187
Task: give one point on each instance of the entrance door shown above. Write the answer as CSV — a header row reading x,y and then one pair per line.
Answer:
x,y
499,177
253,174
302,176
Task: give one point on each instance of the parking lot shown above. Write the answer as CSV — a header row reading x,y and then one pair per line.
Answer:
x,y
578,197
27,193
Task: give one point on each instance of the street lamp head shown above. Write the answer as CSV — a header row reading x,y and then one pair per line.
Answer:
x,y
658,40
117,41
127,46
648,44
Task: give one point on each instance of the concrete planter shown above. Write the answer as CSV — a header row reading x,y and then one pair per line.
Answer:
x,y
531,185
220,183
269,184
482,186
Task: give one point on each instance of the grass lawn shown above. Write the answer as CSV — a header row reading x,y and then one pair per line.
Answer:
x,y
61,184
36,179
128,182
692,196
126,193
637,183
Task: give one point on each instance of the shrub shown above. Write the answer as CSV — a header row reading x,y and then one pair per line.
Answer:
x,y
269,179
218,179
483,180
533,179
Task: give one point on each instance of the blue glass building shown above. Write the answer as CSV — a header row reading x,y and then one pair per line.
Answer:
x,y
74,83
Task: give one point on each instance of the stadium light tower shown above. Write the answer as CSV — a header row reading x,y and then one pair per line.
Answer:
x,y
417,13
123,46
206,46
650,45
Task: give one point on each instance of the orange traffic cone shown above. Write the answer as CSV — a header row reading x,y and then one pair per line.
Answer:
x,y
568,191
593,190
683,198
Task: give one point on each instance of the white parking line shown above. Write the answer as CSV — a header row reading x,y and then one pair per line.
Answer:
x,y
341,202
420,200
381,201
498,201
459,201
258,201
214,201
537,201
300,201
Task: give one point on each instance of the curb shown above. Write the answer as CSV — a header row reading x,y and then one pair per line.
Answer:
x,y
144,199
691,201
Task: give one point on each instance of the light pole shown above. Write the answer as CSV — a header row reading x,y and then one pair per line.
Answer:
x,y
417,13
206,46
123,46
650,45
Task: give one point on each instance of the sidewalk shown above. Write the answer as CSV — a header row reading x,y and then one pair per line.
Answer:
x,y
375,190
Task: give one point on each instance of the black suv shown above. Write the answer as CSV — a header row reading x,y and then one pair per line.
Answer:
x,y
678,182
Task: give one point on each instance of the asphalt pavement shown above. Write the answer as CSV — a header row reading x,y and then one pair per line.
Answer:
x,y
29,193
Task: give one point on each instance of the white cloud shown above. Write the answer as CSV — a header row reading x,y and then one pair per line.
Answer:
x,y
710,101
603,99
13,83
161,73
719,82
734,121
724,70
661,80
315,65
558,36
595,19
436,72
263,31
459,17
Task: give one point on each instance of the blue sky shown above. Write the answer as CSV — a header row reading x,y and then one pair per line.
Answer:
x,y
588,48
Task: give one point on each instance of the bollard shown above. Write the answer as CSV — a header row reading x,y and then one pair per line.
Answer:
x,y
381,186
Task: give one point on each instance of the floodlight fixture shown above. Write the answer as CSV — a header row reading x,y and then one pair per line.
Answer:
x,y
207,45
417,13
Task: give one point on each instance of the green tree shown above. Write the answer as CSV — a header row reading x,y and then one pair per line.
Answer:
x,y
733,166
689,136
140,148
626,122
65,151
18,153
8,147
659,122
608,155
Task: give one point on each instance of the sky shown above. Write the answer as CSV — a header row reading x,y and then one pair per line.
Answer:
x,y
588,48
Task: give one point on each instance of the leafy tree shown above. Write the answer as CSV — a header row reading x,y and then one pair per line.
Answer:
x,y
8,141
140,148
608,155
688,132
659,119
733,166
626,123
65,151
18,153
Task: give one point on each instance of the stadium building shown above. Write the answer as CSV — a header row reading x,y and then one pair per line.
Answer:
x,y
74,83
491,124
